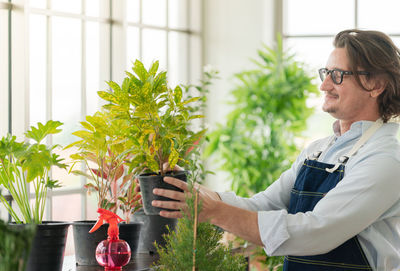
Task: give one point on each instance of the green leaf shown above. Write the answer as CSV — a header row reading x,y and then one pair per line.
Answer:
x,y
109,97
39,133
114,86
81,173
173,157
51,184
87,126
154,68
177,94
152,164
140,70
83,134
196,117
125,85
191,100
35,165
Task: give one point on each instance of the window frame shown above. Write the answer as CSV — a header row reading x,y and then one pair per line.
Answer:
x,y
113,15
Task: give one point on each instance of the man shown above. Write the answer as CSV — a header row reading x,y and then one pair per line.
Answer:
x,y
338,206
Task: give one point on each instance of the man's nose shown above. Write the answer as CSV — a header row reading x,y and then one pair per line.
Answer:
x,y
327,84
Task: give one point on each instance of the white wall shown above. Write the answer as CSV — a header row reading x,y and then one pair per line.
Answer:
x,y
233,31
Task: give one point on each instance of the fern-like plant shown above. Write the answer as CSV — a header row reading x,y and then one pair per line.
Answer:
x,y
196,246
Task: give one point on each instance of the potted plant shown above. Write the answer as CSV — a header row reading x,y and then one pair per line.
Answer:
x,y
160,130
24,164
194,245
104,151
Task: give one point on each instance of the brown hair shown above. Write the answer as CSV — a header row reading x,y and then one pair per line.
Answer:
x,y
374,52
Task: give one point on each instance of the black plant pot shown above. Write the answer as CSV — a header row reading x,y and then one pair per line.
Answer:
x,y
86,243
47,252
149,181
154,227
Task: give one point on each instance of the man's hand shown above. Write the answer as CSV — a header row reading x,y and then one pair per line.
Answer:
x,y
208,198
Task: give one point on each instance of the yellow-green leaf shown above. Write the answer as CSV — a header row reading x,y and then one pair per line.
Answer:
x,y
173,158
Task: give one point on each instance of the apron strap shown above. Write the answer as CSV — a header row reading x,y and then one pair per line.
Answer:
x,y
317,154
364,138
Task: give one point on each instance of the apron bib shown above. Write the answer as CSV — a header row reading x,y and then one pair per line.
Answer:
x,y
314,180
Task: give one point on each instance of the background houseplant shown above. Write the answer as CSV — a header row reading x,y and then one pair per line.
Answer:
x,y
23,164
258,141
104,151
159,125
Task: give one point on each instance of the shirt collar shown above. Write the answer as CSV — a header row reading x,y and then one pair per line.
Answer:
x,y
358,127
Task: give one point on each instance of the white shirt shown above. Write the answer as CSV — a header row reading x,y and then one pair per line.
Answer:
x,y
365,202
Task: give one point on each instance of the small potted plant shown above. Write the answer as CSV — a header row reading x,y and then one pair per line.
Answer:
x,y
160,126
195,245
24,164
104,151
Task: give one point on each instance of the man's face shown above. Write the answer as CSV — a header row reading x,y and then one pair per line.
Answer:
x,y
347,101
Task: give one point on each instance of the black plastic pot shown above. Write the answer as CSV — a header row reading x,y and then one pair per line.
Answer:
x,y
47,252
86,243
154,227
149,181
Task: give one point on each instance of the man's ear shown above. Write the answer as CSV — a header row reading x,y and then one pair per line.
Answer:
x,y
378,88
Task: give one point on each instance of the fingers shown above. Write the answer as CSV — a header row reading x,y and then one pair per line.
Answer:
x,y
176,182
176,195
137,187
172,205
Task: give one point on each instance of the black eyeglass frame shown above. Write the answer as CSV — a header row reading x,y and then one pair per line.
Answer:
x,y
324,71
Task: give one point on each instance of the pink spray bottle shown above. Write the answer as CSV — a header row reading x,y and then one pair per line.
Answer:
x,y
112,253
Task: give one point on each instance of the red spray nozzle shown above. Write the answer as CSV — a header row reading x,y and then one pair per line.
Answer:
x,y
112,219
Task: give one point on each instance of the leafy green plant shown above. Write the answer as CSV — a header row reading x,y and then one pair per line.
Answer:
x,y
193,245
258,141
159,118
24,163
15,244
105,152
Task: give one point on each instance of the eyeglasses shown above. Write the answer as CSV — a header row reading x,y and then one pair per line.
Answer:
x,y
337,74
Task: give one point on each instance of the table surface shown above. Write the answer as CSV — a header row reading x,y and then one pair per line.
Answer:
x,y
141,262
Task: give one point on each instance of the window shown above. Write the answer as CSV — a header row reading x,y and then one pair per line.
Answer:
x,y
169,31
4,67
4,76
72,48
308,29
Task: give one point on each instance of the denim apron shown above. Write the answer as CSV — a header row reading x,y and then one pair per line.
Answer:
x,y
314,180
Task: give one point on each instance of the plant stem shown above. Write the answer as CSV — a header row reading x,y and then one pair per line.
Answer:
x,y
195,229
43,195
10,210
